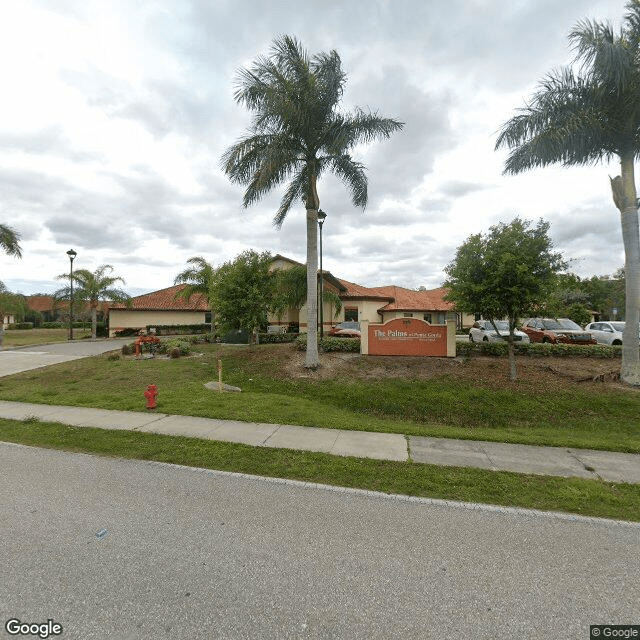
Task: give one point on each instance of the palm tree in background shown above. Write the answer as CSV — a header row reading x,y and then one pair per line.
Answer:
x,y
197,277
10,241
291,291
585,116
298,134
93,287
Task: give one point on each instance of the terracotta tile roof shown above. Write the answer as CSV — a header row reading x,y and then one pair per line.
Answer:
x,y
41,303
165,300
409,300
399,298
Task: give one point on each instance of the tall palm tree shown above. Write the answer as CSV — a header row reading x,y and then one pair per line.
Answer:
x,y
587,115
297,134
10,241
93,287
197,277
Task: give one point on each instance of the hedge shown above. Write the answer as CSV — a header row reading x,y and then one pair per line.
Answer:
x,y
538,349
20,325
330,344
264,338
178,329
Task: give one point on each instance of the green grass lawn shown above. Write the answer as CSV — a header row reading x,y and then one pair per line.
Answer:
x,y
28,337
447,405
573,495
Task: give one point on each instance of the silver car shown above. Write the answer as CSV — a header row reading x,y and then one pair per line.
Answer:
x,y
606,332
483,331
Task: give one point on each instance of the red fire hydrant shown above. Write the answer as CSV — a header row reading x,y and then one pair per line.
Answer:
x,y
151,394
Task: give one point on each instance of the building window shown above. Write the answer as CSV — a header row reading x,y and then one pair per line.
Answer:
x,y
351,314
207,317
408,315
427,317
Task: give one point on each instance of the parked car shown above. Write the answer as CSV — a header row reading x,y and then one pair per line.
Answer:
x,y
556,330
346,329
606,332
483,331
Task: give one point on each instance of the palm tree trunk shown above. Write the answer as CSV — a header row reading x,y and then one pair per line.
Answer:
x,y
312,361
94,322
630,372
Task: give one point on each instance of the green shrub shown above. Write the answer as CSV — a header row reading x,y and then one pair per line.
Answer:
x,y
125,333
536,349
128,349
329,344
183,347
55,325
178,329
277,338
20,325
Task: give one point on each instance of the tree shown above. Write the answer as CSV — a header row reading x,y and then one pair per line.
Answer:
x,y
197,277
93,287
504,274
10,241
290,291
297,135
587,116
242,291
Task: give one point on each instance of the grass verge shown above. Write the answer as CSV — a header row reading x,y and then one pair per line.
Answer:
x,y
28,337
526,412
572,495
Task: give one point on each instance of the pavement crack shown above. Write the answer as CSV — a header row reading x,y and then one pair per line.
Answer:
x,y
584,465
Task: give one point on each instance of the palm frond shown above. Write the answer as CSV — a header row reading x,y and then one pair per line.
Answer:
x,y
352,174
10,241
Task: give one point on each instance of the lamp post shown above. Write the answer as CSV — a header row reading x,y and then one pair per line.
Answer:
x,y
72,254
321,216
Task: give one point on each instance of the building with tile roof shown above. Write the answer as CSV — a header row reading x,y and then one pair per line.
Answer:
x,y
163,307
375,304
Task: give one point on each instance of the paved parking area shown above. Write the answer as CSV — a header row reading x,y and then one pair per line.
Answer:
x,y
26,358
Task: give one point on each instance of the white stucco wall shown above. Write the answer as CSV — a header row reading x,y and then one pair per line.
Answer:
x,y
129,319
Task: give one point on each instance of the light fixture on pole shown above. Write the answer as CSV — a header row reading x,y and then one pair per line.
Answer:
x,y
321,216
72,254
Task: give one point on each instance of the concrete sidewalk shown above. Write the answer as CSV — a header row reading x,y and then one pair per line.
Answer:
x,y
495,456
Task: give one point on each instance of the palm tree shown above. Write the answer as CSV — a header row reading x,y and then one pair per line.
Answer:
x,y
93,287
10,241
586,116
298,134
197,277
291,291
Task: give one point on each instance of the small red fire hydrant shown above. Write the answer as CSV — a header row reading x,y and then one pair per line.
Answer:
x,y
151,394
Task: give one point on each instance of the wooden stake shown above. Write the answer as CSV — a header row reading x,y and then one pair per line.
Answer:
x,y
220,375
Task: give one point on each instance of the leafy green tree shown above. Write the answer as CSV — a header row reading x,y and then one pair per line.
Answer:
x,y
298,134
291,291
504,274
586,116
242,291
197,277
91,287
606,294
10,241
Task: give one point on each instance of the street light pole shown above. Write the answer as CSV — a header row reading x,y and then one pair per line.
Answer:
x,y
72,254
321,216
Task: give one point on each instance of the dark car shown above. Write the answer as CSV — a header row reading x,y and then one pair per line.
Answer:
x,y
346,329
556,330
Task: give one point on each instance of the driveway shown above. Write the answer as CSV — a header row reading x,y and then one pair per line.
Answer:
x,y
134,550
34,357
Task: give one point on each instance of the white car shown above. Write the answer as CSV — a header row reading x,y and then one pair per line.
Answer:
x,y
483,331
606,332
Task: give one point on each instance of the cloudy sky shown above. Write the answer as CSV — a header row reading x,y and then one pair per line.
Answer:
x,y
114,116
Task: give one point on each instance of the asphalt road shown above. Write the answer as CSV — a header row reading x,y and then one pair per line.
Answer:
x,y
26,358
131,550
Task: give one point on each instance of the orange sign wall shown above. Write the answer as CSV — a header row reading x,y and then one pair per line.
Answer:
x,y
407,337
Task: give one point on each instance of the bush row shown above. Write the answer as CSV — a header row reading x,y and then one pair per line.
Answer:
x,y
264,338
19,325
178,329
538,349
330,344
